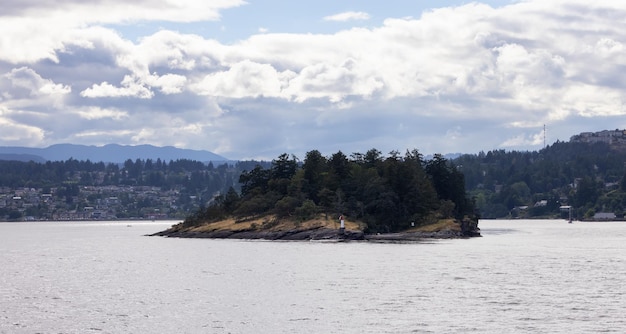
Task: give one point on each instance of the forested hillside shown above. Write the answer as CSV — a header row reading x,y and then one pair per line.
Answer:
x,y
588,176
73,189
192,175
386,192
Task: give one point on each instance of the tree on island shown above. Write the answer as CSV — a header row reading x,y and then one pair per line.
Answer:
x,y
387,194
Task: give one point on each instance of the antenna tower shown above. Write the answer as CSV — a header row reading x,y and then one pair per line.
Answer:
x,y
544,136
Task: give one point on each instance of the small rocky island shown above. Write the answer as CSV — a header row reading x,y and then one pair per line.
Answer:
x,y
367,197
320,229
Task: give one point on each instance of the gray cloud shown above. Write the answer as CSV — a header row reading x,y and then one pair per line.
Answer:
x,y
458,79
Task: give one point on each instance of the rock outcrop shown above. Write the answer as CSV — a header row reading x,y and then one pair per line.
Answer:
x,y
295,234
326,234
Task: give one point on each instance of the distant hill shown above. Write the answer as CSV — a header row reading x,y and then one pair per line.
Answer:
x,y
21,157
109,153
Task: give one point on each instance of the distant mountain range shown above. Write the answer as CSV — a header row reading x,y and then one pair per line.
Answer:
x,y
109,153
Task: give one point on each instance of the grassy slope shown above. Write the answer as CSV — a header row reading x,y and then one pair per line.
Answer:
x,y
441,225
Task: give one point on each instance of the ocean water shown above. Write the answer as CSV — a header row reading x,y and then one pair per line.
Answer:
x,y
107,277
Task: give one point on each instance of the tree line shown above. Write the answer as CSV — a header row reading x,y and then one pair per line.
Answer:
x,y
189,177
588,176
387,193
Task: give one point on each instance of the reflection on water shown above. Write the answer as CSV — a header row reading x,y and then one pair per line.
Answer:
x,y
107,277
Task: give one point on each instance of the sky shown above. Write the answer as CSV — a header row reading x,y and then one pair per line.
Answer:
x,y
255,79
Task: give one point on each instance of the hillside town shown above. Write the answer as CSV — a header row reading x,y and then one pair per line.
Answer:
x,y
95,203
587,175
84,190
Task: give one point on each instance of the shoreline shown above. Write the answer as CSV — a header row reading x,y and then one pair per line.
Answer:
x,y
322,234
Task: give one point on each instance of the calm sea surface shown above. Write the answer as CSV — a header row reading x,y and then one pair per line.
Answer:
x,y
106,277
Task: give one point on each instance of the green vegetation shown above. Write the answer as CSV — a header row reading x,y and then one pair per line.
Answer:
x,y
387,194
588,176
74,189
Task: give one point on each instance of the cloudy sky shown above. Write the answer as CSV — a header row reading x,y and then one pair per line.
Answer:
x,y
254,79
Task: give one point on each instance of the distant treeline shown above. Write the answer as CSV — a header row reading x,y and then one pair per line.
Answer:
x,y
395,188
587,176
387,193
192,177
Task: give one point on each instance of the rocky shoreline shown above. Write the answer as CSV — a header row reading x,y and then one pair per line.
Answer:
x,y
322,234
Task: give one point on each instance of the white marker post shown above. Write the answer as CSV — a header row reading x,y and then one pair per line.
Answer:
x,y
342,226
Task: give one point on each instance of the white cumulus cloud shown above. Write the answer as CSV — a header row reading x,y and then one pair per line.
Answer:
x,y
94,113
33,31
493,75
347,16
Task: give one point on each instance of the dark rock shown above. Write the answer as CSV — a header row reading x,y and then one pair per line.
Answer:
x,y
468,229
